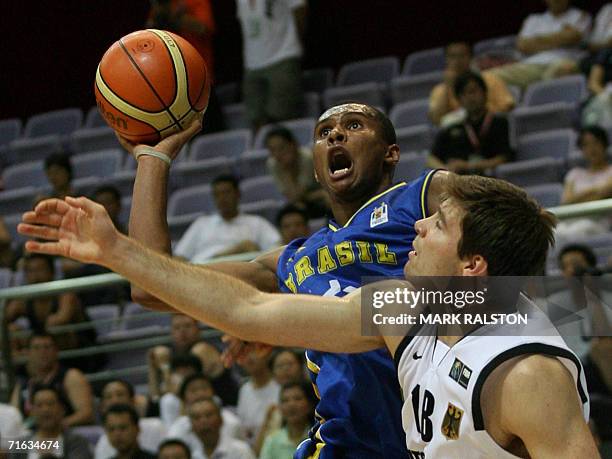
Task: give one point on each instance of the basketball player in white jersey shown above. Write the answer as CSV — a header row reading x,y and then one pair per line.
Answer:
x,y
471,396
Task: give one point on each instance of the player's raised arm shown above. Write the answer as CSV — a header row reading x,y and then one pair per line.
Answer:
x,y
540,406
80,229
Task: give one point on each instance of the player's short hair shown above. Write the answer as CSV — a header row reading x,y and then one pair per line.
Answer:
x,y
59,159
462,81
108,189
600,134
121,408
282,132
186,359
290,209
459,42
503,224
386,126
191,378
175,442
48,259
128,386
227,178
585,250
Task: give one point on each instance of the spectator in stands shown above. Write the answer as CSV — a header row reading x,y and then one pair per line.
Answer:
x,y
601,37
479,143
11,427
7,256
110,198
186,339
44,368
576,259
207,441
291,167
48,409
257,394
59,174
121,427
228,232
173,448
297,402
45,312
551,41
292,223
442,100
272,42
194,388
151,430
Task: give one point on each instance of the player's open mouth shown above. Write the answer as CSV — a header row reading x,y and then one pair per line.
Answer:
x,y
340,163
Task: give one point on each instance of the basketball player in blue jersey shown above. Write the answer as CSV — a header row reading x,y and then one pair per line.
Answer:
x,y
491,391
355,153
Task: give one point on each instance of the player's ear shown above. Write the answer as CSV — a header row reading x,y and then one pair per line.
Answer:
x,y
393,154
474,265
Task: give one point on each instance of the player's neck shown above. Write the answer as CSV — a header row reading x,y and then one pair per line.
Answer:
x,y
344,210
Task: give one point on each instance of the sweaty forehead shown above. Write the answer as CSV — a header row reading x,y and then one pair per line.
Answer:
x,y
343,109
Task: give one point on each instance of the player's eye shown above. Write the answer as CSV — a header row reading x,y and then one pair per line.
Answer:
x,y
324,132
354,125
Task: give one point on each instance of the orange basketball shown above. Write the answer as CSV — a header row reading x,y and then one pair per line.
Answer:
x,y
151,84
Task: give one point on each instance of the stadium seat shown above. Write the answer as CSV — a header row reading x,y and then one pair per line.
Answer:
x,y
11,222
302,129
516,92
497,44
101,315
235,116
365,93
94,119
190,201
548,195
6,277
124,214
17,201
23,175
555,144
228,93
410,166
61,122
86,186
312,105
135,316
187,174
570,89
228,144
413,87
532,172
23,150
408,114
258,189
266,208
253,163
317,80
526,120
416,138
427,61
380,70
10,130
123,181
102,163
93,139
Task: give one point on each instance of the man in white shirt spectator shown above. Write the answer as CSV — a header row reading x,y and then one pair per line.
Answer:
x,y
121,427
11,427
551,43
601,37
272,45
227,232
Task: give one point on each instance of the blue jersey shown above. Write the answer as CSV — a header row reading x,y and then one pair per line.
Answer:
x,y
359,411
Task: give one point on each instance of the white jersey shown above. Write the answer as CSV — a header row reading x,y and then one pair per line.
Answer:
x,y
442,385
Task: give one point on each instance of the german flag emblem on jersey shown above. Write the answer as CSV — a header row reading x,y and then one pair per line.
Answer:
x,y
451,422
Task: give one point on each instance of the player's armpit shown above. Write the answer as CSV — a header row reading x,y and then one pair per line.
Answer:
x,y
534,399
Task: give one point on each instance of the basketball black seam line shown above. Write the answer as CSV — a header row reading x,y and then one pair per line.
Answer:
x,y
128,103
151,87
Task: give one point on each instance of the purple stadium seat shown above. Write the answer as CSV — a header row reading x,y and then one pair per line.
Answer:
x,y
555,144
312,105
87,185
235,116
252,163
93,139
10,129
17,201
493,45
191,200
6,277
532,172
548,195
61,122
26,149
102,163
266,208
365,93
410,166
408,114
228,144
187,173
317,80
258,189
228,93
570,89
94,119
427,61
11,222
415,138
123,181
302,129
526,120
105,313
414,87
380,70
24,175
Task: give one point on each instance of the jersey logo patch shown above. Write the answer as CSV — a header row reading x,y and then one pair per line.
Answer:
x,y
460,373
379,215
451,422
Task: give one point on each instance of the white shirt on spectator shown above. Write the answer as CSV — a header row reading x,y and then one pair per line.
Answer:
x,y
152,432
269,36
582,179
253,404
211,234
546,24
178,424
11,425
602,31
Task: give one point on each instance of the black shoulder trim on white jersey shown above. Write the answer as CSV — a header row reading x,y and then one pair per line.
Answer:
x,y
404,344
532,348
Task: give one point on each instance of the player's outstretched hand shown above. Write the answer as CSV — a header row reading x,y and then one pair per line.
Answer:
x,y
171,145
75,228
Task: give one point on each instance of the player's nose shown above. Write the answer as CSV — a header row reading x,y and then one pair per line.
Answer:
x,y
336,135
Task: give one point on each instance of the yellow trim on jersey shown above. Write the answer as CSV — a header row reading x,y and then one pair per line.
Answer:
x,y
332,227
424,187
371,200
317,452
311,365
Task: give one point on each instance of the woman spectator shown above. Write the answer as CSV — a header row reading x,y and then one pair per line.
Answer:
x,y
297,403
